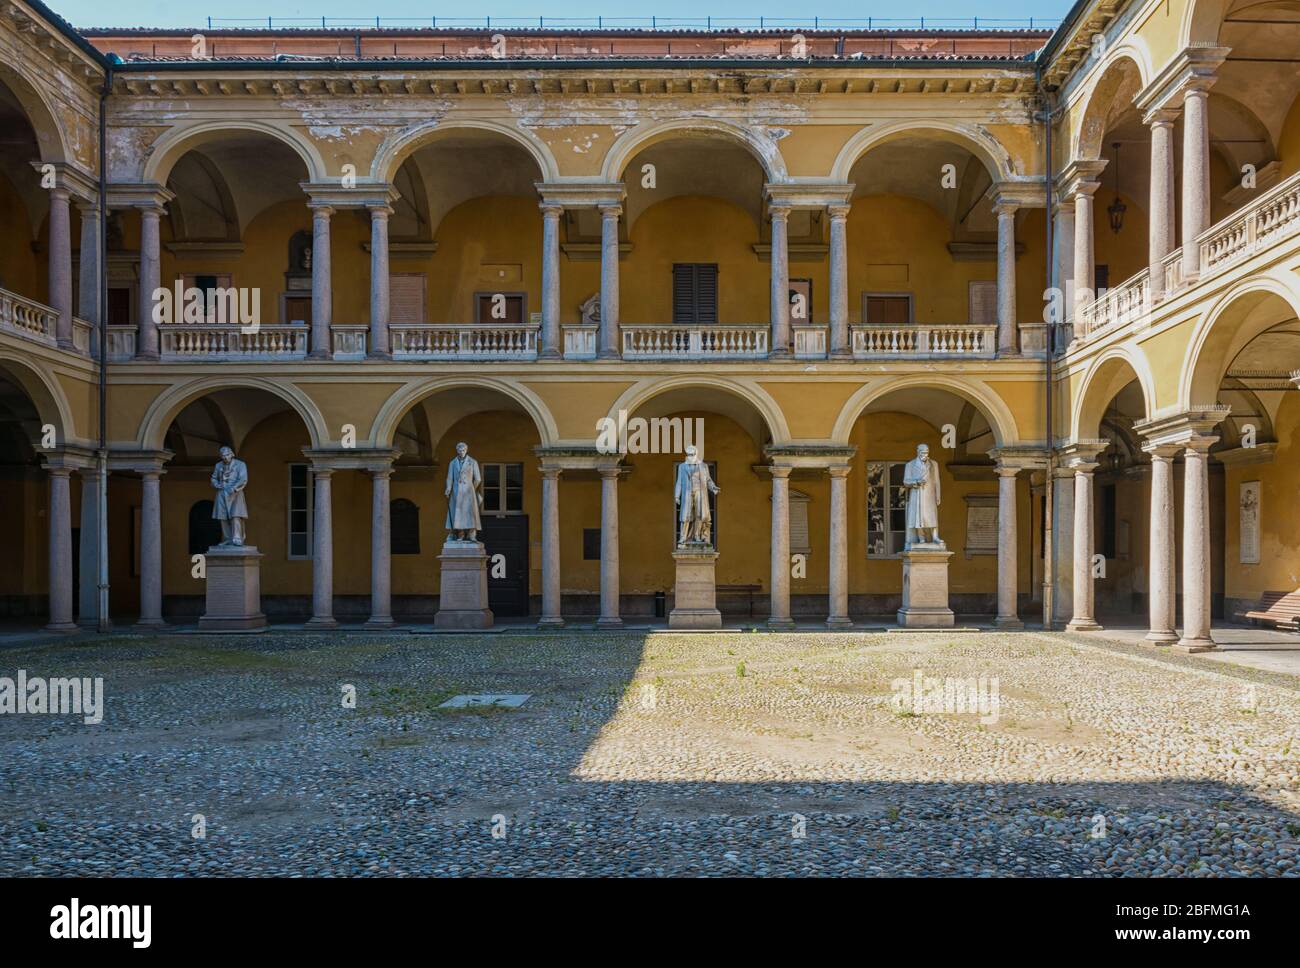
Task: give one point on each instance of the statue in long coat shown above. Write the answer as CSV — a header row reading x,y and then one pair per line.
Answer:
x,y
691,494
229,478
921,478
464,496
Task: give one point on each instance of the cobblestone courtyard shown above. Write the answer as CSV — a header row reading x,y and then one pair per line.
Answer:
x,y
648,754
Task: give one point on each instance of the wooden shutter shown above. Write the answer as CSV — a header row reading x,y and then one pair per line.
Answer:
x,y
514,309
695,293
406,297
888,310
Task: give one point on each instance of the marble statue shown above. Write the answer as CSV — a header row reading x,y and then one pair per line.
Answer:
x,y
230,477
464,496
691,495
921,478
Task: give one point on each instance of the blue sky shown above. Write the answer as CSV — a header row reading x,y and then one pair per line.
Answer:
x,y
162,13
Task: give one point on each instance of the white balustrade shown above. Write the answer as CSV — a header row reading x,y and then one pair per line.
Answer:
x,y
1270,218
428,341
809,342
27,318
207,341
1127,302
580,342
121,343
919,340
348,341
717,342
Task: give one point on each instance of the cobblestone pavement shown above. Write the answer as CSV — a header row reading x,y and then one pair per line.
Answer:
x,y
649,754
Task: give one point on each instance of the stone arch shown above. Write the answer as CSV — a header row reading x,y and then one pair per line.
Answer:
x,y
974,139
176,142
639,394
1122,73
399,146
164,409
50,136
1201,22
1105,377
989,404
1237,317
384,428
44,392
627,145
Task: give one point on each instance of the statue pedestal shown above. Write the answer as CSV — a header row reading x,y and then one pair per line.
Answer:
x,y
695,592
925,588
234,590
463,592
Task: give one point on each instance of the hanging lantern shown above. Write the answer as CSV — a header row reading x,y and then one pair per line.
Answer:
x,y
1117,208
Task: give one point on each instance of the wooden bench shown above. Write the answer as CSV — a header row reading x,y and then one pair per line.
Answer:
x,y
1280,609
746,590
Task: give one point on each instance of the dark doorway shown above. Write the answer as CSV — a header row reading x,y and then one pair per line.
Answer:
x,y
507,535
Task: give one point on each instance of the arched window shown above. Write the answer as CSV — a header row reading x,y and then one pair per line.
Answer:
x,y
404,526
205,530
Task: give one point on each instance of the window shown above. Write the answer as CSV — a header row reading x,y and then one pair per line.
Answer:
x,y
886,509
1100,278
509,307
204,529
300,501
404,527
225,309
119,306
503,488
887,308
695,294
591,544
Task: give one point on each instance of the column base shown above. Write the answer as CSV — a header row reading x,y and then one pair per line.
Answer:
x,y
1192,646
781,624
782,353
380,357
380,622
324,624
63,627
65,344
839,622
1008,622
150,625
844,354
320,355
1160,638
609,623
609,355
1082,625
550,622
151,357
550,355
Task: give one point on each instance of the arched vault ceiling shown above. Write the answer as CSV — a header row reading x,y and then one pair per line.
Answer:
x,y
18,149
258,171
914,166
695,167
468,165
1268,86
937,408
705,400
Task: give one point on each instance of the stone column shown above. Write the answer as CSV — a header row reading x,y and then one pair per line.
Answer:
x,y
151,549
1063,246
88,552
838,586
1083,620
551,603
839,283
322,286
551,348
779,590
1085,270
1196,546
379,348
60,590
780,281
1162,600
88,263
1196,177
1161,233
60,266
150,275
609,605
1062,545
322,553
381,546
1008,551
1006,213
608,348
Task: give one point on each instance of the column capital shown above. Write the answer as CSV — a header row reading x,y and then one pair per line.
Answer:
x,y
379,211
839,470
363,195
611,210
778,212
322,210
1081,455
838,212
1160,117
69,457
70,180
780,472
809,194
1193,69
596,194
1080,177
1016,194
1180,428
148,197
1019,459
550,209
367,459
1161,451
609,470
139,461
550,472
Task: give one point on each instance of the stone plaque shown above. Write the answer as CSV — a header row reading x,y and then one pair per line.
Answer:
x,y
463,592
1248,508
234,592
